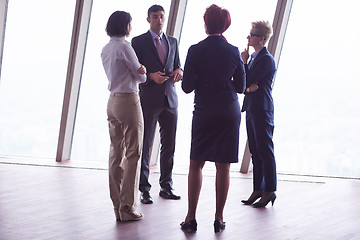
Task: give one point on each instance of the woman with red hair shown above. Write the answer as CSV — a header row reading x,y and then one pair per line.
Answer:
x,y
215,72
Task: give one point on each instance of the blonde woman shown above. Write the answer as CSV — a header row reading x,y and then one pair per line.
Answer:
x,y
259,106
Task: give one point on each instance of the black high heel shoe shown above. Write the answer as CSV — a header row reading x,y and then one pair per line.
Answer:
x,y
252,200
219,226
190,226
263,204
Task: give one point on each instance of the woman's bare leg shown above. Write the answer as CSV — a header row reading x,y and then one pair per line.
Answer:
x,y
194,187
222,188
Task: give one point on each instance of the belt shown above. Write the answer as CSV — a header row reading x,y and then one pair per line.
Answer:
x,y
123,94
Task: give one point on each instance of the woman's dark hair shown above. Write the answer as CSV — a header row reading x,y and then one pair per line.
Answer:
x,y
216,19
118,24
155,8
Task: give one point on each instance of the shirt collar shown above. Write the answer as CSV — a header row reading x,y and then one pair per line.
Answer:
x,y
154,35
254,55
116,39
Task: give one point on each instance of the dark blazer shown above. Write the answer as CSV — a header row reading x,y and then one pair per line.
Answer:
x,y
215,71
151,93
262,73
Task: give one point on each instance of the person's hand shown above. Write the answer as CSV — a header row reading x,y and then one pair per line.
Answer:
x,y
158,77
245,54
253,87
142,69
177,74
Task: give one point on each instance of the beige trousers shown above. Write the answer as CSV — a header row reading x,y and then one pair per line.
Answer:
x,y
126,129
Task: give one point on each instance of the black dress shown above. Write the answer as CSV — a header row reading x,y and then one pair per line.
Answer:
x,y
215,71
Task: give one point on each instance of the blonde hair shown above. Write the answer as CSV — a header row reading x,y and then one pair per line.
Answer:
x,y
264,28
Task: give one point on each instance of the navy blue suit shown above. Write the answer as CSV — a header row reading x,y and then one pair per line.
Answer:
x,y
259,107
159,103
215,71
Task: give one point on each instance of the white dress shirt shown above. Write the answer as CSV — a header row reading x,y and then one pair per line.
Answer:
x,y
121,66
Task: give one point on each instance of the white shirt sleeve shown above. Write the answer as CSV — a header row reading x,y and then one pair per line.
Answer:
x,y
133,64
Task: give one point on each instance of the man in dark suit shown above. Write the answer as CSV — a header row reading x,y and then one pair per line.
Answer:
x,y
159,53
259,107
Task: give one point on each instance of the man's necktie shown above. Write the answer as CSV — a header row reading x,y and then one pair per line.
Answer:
x,y
160,49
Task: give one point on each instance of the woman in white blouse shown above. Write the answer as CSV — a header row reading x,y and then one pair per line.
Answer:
x,y
125,119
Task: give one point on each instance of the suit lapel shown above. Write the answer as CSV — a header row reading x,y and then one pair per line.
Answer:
x,y
168,48
261,53
150,43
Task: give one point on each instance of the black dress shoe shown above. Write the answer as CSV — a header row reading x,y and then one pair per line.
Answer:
x,y
168,194
146,198
190,226
219,226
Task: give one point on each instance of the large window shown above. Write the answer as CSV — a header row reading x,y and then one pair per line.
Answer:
x,y
91,137
317,104
91,140
36,51
242,14
317,108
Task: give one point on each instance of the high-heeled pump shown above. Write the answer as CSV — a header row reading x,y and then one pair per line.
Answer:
x,y
264,203
251,200
219,226
190,226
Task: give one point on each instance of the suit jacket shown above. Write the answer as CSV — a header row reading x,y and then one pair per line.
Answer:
x,y
214,69
262,73
151,93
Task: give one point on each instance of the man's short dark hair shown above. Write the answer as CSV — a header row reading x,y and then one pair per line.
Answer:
x,y
118,24
155,8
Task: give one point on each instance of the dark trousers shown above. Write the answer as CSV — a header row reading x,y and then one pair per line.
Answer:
x,y
260,128
167,118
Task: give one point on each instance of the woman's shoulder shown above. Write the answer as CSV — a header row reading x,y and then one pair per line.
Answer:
x,y
195,47
201,45
266,56
232,46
